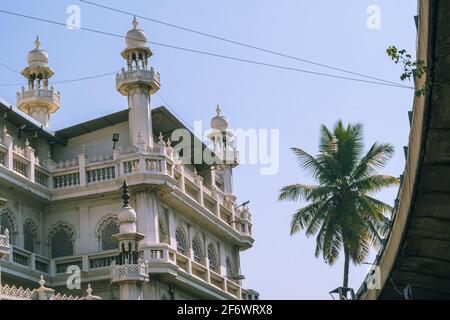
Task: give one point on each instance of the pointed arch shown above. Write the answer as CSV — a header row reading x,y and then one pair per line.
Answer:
x,y
8,221
180,237
30,235
61,239
197,250
106,228
213,262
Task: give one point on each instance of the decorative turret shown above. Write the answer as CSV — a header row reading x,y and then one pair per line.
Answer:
x,y
224,149
129,271
138,82
38,100
222,139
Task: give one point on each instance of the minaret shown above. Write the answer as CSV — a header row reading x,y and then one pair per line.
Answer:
x,y
129,271
38,100
138,82
224,149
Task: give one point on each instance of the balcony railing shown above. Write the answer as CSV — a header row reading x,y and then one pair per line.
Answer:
x,y
158,160
121,272
150,77
34,94
155,257
163,255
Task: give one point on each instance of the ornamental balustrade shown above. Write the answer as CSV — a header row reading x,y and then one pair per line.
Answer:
x,y
129,271
41,94
153,258
8,292
124,161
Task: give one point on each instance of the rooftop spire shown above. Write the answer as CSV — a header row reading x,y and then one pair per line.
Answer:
x,y
37,42
218,110
125,195
135,23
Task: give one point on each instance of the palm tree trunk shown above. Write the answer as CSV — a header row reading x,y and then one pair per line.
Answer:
x,y
346,266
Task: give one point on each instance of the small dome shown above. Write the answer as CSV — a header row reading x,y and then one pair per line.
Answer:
x,y
219,122
127,215
136,37
38,56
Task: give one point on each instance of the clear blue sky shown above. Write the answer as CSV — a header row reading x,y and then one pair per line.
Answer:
x,y
333,32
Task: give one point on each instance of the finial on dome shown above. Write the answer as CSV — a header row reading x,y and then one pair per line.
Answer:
x,y
135,23
42,281
37,42
89,290
125,195
218,110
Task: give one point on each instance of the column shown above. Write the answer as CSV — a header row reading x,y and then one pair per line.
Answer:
x,y
83,241
146,216
19,231
172,229
29,154
82,169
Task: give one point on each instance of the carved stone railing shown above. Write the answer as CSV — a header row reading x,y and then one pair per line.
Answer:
x,y
13,293
102,260
150,77
4,244
159,160
8,292
49,95
126,272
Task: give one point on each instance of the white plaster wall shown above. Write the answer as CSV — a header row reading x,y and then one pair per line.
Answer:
x,y
96,142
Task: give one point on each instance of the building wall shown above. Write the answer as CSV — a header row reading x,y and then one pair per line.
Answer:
x,y
96,142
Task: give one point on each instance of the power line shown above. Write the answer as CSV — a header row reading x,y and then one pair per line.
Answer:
x,y
102,75
9,68
242,44
211,54
174,112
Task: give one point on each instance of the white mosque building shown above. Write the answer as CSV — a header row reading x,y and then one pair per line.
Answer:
x,y
110,201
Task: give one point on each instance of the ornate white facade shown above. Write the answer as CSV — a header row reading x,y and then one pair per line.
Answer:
x,y
64,189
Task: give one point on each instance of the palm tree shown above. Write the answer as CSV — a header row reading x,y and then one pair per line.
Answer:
x,y
341,209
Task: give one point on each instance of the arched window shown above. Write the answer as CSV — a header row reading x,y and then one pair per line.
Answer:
x,y
181,240
7,222
230,269
162,228
30,235
197,250
212,258
106,229
61,240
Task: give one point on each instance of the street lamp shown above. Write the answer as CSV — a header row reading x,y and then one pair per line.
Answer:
x,y
115,139
242,204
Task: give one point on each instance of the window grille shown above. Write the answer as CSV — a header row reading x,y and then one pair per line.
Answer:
x,y
7,222
181,241
29,235
197,250
212,258
61,241
107,229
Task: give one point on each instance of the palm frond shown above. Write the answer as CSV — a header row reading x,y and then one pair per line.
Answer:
x,y
376,158
296,192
